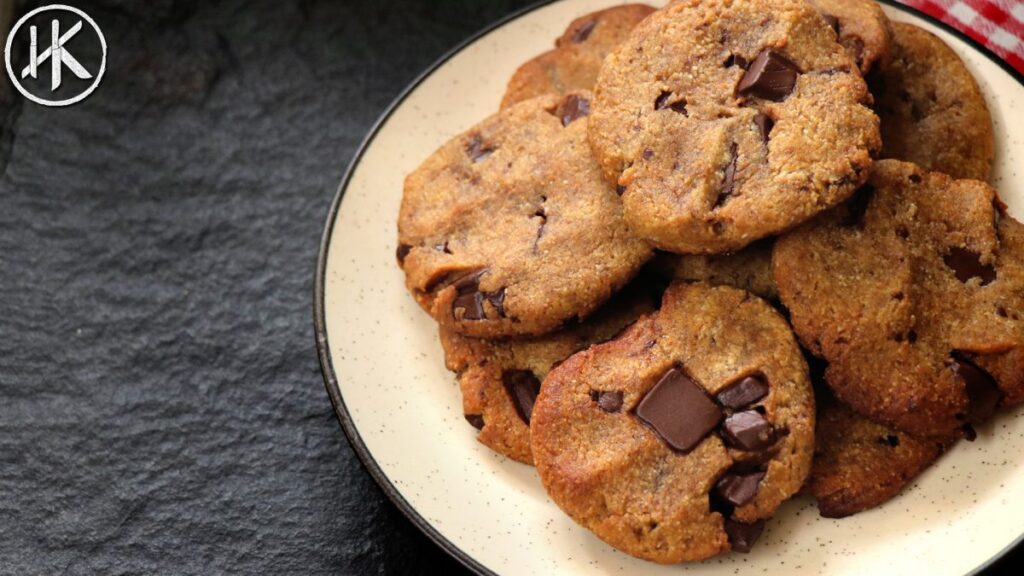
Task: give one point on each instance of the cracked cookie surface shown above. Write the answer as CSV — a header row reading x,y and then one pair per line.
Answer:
x,y
711,429
722,122
509,228
914,294
932,111
576,59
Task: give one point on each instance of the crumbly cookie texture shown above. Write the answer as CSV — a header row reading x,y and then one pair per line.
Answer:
x,y
749,268
576,59
675,440
932,111
862,28
725,121
913,293
500,379
509,228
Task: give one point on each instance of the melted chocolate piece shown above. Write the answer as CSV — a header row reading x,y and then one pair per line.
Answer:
x,y
771,76
742,537
748,431
523,387
966,264
572,108
764,125
739,489
679,411
608,401
983,394
477,150
584,31
469,300
475,420
729,178
744,392
402,251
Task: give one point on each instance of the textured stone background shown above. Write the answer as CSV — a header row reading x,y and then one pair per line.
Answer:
x,y
161,407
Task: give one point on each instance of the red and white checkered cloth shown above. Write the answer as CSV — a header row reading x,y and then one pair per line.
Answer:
x,y
996,24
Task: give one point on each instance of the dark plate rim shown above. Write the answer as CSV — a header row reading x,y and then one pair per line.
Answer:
x,y
320,321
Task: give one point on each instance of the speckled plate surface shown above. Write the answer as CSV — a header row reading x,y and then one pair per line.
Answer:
x,y
401,409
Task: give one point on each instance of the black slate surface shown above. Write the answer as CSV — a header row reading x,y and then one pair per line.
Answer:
x,y
161,407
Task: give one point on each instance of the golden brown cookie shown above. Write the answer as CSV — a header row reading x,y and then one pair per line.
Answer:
x,y
862,28
578,54
500,379
749,268
726,121
913,293
932,111
509,228
675,440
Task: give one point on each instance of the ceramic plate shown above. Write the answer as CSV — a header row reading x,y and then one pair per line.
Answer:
x,y
401,409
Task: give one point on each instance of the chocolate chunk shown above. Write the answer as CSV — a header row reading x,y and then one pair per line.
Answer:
x,y
475,420
402,251
743,536
764,125
608,401
523,387
662,100
748,431
469,300
572,108
736,60
497,299
477,150
679,411
584,31
679,106
771,76
966,264
620,189
729,178
833,22
746,391
983,394
739,489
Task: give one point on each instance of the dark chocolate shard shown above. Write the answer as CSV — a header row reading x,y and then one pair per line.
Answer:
x,y
476,149
736,60
523,387
620,189
572,108
739,488
966,264
729,178
402,251
468,303
679,411
743,392
475,420
608,401
771,76
742,537
832,21
662,100
764,125
983,394
749,431
679,106
583,32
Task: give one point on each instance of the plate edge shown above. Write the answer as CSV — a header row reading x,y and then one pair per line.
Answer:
x,y
319,313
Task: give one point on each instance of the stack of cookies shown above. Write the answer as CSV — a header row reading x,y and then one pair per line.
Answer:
x,y
710,256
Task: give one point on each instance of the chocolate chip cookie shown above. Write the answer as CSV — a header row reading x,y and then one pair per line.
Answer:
x,y
509,228
500,379
860,464
675,440
578,54
725,121
862,28
932,111
913,293
749,268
